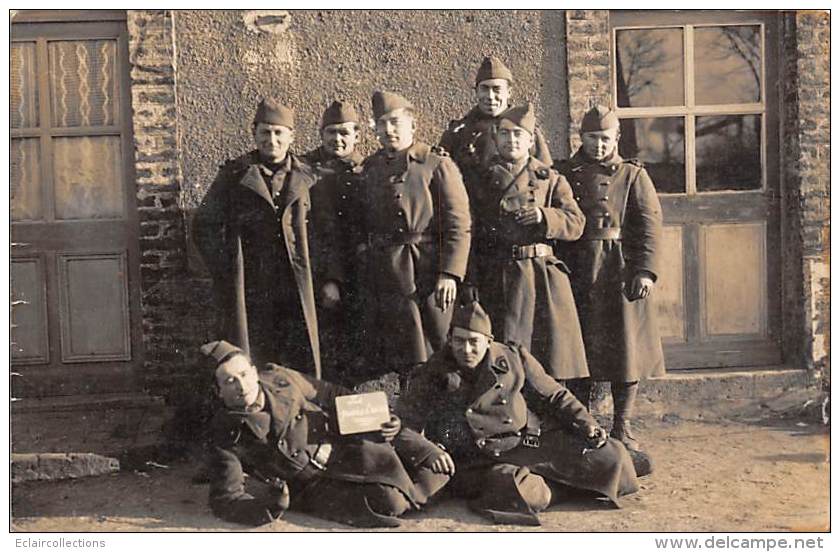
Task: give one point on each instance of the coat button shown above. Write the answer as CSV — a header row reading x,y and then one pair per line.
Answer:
x,y
469,411
503,401
518,434
480,443
398,196
605,198
499,385
508,420
281,443
299,417
295,453
605,214
343,197
577,198
497,453
340,213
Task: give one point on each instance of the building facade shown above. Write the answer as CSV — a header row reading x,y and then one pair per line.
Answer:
x,y
120,119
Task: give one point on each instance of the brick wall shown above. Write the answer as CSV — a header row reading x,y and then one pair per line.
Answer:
x,y
588,70
171,302
806,191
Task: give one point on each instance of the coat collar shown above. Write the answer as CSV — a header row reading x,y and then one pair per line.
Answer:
x,y
579,160
253,180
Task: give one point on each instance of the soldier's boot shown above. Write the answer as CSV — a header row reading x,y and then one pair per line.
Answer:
x,y
581,388
624,400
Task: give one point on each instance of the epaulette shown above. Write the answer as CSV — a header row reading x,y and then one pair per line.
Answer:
x,y
635,161
542,173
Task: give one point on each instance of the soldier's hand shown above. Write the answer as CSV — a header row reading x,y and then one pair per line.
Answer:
x,y
641,287
528,216
596,436
443,464
390,429
445,291
280,498
330,295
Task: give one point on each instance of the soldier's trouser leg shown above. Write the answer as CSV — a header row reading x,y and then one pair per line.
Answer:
x,y
505,493
356,504
624,402
428,483
581,388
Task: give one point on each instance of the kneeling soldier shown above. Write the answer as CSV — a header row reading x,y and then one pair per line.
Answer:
x,y
277,426
477,400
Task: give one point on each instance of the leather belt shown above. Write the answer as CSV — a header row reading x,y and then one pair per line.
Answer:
x,y
594,234
398,238
530,251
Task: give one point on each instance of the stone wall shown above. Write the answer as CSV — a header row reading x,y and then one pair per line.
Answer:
x,y
806,191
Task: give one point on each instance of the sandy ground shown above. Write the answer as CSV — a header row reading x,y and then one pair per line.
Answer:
x,y
737,474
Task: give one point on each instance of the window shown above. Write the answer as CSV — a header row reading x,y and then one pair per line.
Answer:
x,y
692,104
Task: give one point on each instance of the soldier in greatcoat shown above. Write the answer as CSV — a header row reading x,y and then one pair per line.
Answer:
x,y
520,206
278,426
252,232
478,400
615,265
416,216
336,237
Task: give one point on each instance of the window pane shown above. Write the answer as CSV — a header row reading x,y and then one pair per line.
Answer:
x,y
88,177
649,67
660,143
83,83
23,89
727,64
25,190
728,152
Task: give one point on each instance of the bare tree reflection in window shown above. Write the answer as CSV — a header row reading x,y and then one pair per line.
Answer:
x,y
728,64
649,67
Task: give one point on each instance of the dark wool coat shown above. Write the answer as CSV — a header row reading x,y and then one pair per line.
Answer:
x,y
469,140
529,300
416,216
481,417
256,248
336,236
275,446
622,238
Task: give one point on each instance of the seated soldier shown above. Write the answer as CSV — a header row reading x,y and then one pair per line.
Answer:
x,y
476,400
277,426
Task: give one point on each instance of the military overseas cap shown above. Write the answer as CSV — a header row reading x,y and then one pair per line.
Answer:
x,y
272,112
386,102
220,351
598,118
493,68
339,112
471,316
521,116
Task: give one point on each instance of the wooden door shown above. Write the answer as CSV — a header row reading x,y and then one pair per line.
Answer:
x,y
697,95
74,269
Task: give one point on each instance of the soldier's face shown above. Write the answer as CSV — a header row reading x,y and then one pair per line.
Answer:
x,y
395,130
237,383
492,96
340,139
512,141
273,141
468,347
599,144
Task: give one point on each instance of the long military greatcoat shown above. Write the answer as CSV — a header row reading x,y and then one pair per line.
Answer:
x,y
416,216
336,236
529,300
256,246
622,238
483,416
276,446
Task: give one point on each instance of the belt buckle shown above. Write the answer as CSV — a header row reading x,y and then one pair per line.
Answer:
x,y
531,441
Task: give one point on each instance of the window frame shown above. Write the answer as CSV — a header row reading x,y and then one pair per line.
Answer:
x,y
689,111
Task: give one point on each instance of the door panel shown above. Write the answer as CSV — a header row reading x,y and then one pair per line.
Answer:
x,y
734,256
74,217
29,314
94,308
669,288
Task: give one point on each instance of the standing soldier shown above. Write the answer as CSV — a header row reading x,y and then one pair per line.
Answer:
x,y
251,231
519,208
418,223
615,264
335,236
469,140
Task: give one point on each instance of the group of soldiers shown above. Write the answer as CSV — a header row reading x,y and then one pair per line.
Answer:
x,y
331,268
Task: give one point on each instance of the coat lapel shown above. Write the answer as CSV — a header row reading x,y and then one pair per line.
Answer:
x,y
253,180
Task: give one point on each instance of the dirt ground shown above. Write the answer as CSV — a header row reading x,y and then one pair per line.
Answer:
x,y
744,473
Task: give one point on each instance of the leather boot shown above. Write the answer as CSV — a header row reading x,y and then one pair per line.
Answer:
x,y
624,401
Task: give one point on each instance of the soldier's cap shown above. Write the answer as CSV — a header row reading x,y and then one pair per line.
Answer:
x,y
272,112
386,102
218,352
522,116
598,118
339,112
471,316
493,68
